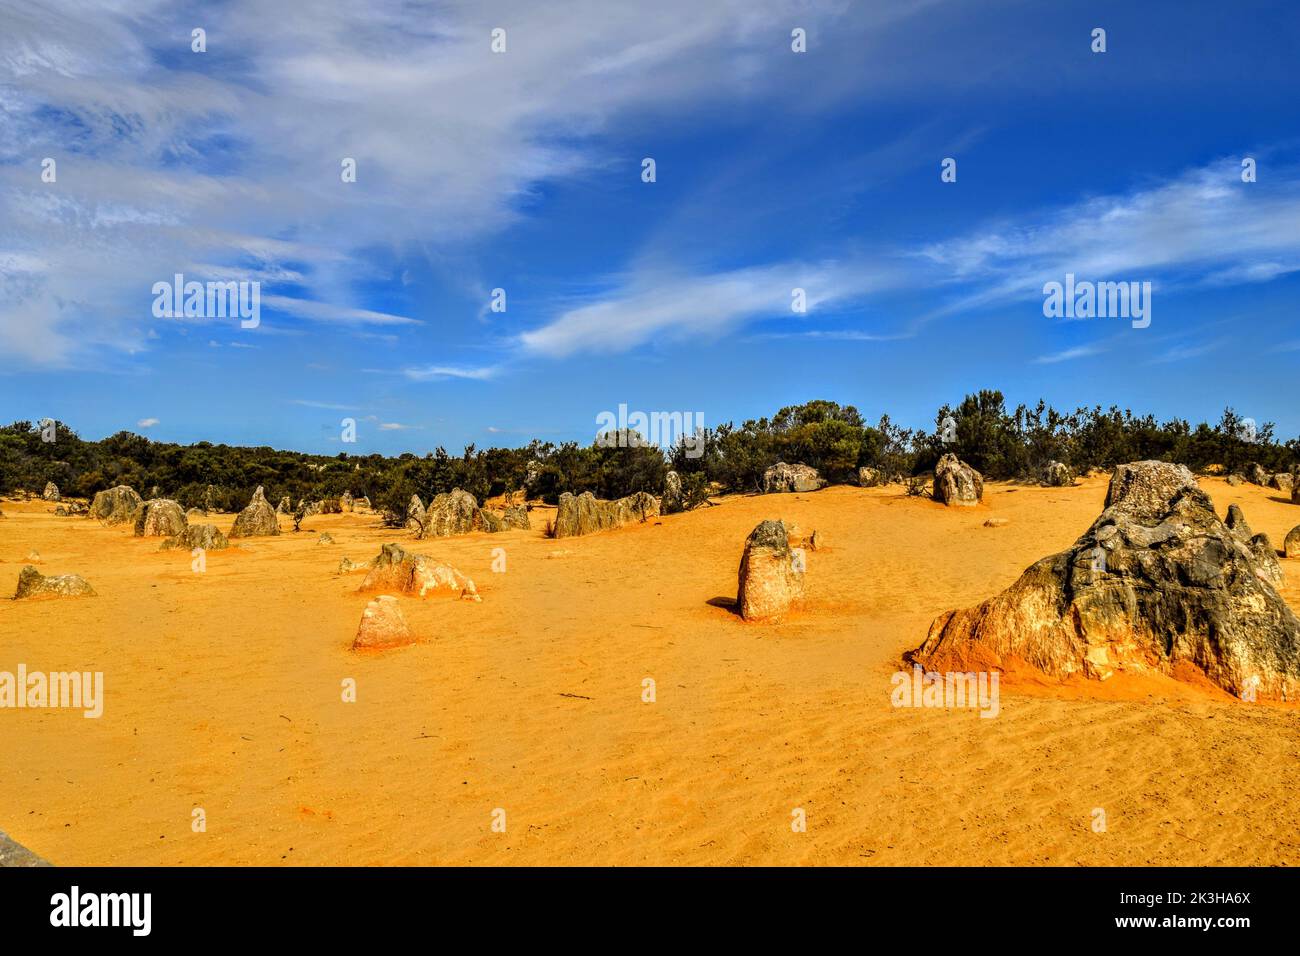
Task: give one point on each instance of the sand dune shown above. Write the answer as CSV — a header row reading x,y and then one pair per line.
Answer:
x,y
223,692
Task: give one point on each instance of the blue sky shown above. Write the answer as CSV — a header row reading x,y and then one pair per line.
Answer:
x,y
522,171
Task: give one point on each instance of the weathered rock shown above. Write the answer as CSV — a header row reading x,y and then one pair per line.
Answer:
x,y
1291,544
16,855
771,577
1282,481
1269,566
1234,480
205,536
453,512
382,625
1256,475
671,503
285,506
1236,520
957,483
160,518
397,570
347,565
997,522
31,583
51,492
790,478
1158,580
195,516
585,513
208,504
346,501
257,520
871,477
415,514
361,504
516,516
325,538
485,520
116,505
1057,475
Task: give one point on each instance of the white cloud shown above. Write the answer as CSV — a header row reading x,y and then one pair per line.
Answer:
x,y
449,139
147,423
655,305
431,373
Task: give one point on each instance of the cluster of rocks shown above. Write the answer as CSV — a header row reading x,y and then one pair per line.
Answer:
x,y
771,576
957,483
458,512
205,536
71,509
782,477
585,513
396,569
1157,580
31,583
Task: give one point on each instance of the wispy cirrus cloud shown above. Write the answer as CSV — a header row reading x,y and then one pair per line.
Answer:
x,y
656,305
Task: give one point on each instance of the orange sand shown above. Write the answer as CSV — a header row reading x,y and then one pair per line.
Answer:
x,y
223,692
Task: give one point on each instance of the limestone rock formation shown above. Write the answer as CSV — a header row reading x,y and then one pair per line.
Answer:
x,y
516,516
455,512
285,506
116,505
1158,580
871,477
997,522
1236,520
771,577
346,501
399,571
585,513
257,520
1256,475
1282,481
31,583
957,483
1269,566
325,538
205,536
1291,544
787,478
15,854
51,492
347,566
1057,475
361,504
415,514
671,502
382,625
160,518
1234,480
